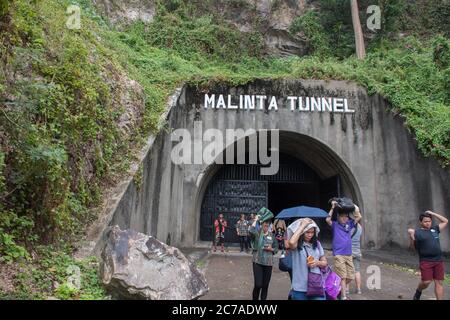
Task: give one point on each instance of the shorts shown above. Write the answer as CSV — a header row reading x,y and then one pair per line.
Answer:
x,y
357,262
343,266
432,270
219,238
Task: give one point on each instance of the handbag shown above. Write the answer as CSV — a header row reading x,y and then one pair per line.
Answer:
x,y
315,282
285,264
332,284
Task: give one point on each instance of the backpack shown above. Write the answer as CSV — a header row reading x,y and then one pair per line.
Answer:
x,y
285,264
344,205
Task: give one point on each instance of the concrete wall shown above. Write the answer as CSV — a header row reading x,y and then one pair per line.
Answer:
x,y
376,156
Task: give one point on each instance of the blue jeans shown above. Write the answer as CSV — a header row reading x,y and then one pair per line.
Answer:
x,y
298,295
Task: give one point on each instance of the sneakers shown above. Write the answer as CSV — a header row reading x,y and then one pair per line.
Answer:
x,y
358,291
417,295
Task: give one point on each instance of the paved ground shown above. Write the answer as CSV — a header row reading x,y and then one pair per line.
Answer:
x,y
230,276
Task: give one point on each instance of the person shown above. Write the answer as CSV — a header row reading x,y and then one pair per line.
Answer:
x,y
302,242
357,255
280,230
251,218
219,232
342,244
426,240
242,232
265,246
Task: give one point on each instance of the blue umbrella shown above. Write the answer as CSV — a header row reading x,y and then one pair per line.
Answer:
x,y
302,211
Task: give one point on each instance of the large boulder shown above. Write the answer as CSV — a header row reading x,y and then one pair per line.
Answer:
x,y
138,266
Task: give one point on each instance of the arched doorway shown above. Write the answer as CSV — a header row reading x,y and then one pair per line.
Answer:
x,y
310,173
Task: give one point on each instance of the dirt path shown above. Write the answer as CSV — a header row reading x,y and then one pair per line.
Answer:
x,y
230,276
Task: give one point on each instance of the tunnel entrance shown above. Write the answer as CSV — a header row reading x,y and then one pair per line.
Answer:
x,y
241,189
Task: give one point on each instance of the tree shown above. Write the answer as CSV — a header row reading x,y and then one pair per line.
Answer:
x,y
359,39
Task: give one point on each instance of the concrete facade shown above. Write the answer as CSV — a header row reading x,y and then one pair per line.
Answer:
x,y
375,155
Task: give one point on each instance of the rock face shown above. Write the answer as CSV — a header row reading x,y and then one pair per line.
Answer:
x,y
272,18
121,11
137,266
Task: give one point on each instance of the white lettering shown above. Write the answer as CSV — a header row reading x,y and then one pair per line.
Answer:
x,y
273,103
209,101
221,102
253,102
300,104
327,104
315,104
230,106
338,105
249,102
292,102
261,101
346,108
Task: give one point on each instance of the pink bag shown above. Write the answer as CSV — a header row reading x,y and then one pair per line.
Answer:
x,y
332,284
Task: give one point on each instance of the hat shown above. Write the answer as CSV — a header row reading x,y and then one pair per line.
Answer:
x,y
265,214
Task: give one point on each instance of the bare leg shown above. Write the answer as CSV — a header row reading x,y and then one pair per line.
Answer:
x,y
423,285
344,288
358,281
438,289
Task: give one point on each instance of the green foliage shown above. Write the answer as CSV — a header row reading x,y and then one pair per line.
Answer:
x,y
12,227
336,20
9,250
199,36
309,24
4,7
441,53
424,17
61,122
447,279
54,273
391,15
66,291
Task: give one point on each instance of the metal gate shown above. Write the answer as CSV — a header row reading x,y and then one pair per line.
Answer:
x,y
237,189
231,198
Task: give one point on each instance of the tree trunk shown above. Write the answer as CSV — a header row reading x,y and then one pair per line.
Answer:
x,y
359,39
